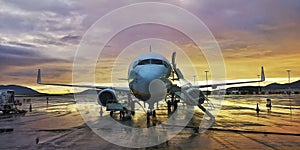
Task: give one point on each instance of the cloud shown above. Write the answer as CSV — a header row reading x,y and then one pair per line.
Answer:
x,y
35,16
47,40
71,38
12,56
21,44
63,7
12,23
265,27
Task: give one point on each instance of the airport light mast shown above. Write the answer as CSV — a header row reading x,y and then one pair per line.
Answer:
x,y
194,79
259,89
289,77
206,71
289,90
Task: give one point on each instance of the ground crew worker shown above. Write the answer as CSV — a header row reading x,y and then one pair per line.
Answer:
x,y
148,117
169,106
101,111
154,119
175,104
30,108
269,104
257,109
37,140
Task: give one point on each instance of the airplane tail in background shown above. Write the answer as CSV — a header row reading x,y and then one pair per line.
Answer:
x,y
39,80
263,78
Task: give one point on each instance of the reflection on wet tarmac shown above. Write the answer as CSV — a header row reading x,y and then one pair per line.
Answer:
x,y
59,125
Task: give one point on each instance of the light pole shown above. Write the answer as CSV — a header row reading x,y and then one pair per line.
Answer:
x,y
194,79
258,85
289,77
206,82
289,90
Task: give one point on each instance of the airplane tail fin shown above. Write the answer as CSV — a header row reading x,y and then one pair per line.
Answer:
x,y
263,78
39,80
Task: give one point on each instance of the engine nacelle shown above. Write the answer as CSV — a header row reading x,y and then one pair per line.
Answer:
x,y
193,96
107,96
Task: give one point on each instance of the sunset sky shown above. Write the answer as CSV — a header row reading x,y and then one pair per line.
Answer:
x,y
45,34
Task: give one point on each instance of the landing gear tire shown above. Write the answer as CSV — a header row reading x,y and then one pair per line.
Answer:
x,y
111,113
132,113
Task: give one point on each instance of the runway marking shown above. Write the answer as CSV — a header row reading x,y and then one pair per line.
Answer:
x,y
240,131
225,143
253,139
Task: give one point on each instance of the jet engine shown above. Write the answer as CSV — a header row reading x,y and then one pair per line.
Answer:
x,y
193,96
107,96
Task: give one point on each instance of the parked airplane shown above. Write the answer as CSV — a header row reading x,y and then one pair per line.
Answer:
x,y
151,78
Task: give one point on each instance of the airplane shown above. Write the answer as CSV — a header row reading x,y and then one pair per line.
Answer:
x,y
151,79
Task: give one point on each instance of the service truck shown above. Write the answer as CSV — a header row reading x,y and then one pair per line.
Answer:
x,y
7,101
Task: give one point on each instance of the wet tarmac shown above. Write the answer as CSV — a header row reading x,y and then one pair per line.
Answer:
x,y
59,125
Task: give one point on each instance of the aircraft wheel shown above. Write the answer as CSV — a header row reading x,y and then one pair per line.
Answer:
x,y
111,113
132,113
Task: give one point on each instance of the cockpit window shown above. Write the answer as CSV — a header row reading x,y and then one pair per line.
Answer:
x,y
145,62
156,61
153,61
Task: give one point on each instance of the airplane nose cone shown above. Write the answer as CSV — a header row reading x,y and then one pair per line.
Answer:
x,y
151,72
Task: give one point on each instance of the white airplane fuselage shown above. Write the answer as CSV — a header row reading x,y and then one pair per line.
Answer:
x,y
145,69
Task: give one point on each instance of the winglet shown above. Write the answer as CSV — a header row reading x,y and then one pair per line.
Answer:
x,y
263,78
38,80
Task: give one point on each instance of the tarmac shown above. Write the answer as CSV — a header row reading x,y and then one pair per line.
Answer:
x,y
59,125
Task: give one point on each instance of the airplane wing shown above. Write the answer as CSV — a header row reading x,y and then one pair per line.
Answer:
x,y
39,81
232,83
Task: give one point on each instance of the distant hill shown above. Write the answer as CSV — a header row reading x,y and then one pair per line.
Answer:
x,y
20,90
273,86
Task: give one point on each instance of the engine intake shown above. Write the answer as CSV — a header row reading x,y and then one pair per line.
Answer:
x,y
194,96
107,96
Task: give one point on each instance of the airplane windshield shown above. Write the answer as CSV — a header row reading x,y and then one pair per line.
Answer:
x,y
151,61
144,62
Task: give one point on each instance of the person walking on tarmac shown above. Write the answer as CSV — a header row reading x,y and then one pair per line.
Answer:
x,y
154,119
169,104
175,104
30,108
148,118
257,110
